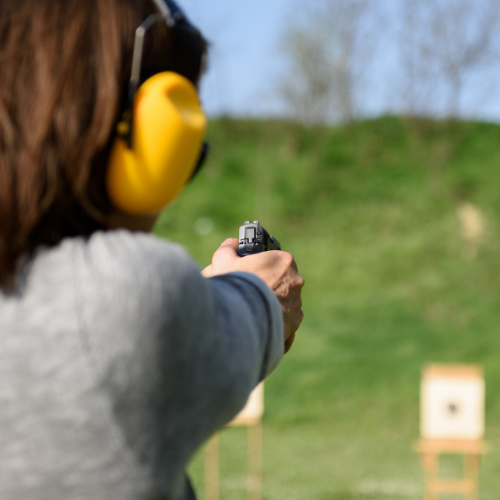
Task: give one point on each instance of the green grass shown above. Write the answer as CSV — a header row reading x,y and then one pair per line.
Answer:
x,y
369,211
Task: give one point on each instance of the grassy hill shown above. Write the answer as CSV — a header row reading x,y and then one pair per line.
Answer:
x,y
370,212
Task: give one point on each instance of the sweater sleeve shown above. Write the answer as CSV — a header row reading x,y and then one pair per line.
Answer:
x,y
257,327
175,354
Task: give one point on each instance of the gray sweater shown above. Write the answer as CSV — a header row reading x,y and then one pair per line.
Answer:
x,y
117,360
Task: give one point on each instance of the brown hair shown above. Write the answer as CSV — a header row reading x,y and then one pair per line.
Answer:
x,y
65,66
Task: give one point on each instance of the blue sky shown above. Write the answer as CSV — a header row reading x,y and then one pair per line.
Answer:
x,y
246,64
244,58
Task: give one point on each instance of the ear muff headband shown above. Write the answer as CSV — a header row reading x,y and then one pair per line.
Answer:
x,y
173,15
161,134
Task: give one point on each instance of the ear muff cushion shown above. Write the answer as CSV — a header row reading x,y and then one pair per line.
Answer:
x,y
168,128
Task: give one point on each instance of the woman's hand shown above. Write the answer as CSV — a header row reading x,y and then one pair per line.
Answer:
x,y
276,268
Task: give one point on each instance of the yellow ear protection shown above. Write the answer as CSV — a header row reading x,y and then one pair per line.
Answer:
x,y
159,144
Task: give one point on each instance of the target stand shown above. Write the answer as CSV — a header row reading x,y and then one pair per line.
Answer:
x,y
250,417
431,449
451,423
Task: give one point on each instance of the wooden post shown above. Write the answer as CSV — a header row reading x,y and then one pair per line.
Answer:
x,y
471,467
212,468
255,461
431,472
251,418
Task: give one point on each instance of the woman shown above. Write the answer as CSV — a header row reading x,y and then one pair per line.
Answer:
x,y
117,358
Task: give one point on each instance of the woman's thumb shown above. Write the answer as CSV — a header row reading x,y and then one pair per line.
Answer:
x,y
225,256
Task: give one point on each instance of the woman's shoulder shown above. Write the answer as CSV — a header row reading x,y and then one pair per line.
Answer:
x,y
123,259
110,266
122,246
133,281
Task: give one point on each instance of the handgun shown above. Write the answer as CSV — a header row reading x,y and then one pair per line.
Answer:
x,y
253,238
